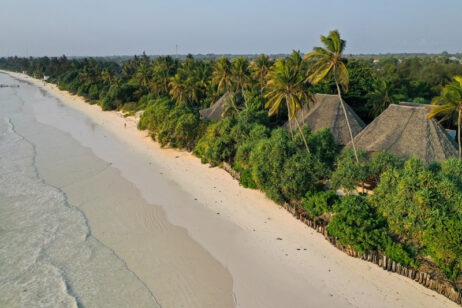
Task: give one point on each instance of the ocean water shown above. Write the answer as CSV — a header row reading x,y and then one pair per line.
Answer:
x,y
48,256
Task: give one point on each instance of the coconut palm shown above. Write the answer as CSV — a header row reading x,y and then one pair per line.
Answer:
x,y
107,76
328,62
260,68
381,97
143,74
178,88
221,75
163,69
449,105
286,84
296,61
240,74
231,106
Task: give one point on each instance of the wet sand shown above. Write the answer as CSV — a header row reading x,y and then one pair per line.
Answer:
x,y
237,226
177,270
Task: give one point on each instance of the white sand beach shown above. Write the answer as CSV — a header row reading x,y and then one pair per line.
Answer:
x,y
273,259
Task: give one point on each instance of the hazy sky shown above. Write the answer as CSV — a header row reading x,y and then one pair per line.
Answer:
x,y
116,27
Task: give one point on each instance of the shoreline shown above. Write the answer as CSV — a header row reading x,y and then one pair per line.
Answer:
x,y
302,257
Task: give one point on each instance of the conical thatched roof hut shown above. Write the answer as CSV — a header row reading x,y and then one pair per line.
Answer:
x,y
326,111
404,130
215,112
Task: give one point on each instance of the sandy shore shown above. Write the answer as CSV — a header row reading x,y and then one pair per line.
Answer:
x,y
241,228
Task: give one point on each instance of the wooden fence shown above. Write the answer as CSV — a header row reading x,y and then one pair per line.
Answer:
x,y
425,279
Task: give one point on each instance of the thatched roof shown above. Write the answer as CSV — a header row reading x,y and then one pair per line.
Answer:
x,y
326,111
404,130
215,112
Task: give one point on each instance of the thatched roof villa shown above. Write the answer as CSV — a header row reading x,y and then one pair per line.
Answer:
x,y
215,112
326,111
404,130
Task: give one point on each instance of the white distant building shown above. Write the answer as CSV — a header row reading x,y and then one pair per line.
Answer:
x,y
376,61
45,77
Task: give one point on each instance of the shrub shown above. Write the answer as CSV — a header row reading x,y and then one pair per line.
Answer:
x,y
381,162
108,104
93,92
300,174
222,139
357,224
267,161
318,203
349,173
423,206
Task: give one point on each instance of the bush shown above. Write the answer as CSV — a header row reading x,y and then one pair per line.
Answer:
x,y
423,206
357,224
444,243
93,92
155,114
452,171
349,173
401,254
267,161
108,104
300,174
318,203
222,139
176,125
381,162
323,148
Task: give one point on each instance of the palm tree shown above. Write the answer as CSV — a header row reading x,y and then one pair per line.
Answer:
x,y
231,106
286,84
143,74
221,75
449,105
163,69
381,97
260,68
240,74
328,62
106,76
178,88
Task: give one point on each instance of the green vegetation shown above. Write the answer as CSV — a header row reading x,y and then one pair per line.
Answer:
x,y
449,105
414,212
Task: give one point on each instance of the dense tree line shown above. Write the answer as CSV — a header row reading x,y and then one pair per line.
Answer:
x,y
415,210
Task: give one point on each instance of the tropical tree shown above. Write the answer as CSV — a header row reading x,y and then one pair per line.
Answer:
x,y
143,74
286,84
449,105
381,97
163,69
260,68
107,76
178,88
231,106
328,62
221,75
240,74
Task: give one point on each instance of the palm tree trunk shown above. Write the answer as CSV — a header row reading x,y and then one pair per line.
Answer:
x,y
243,95
288,116
261,83
458,133
346,118
301,133
298,126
